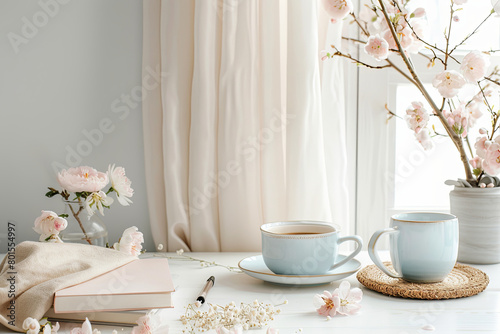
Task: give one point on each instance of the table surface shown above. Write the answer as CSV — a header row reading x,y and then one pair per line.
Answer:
x,y
379,313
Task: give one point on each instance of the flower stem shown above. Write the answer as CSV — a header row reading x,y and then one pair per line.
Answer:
x,y
76,215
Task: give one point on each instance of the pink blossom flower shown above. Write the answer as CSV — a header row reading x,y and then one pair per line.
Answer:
x,y
483,131
121,184
338,9
458,120
326,304
473,113
474,66
481,146
476,163
419,29
349,299
425,139
97,201
271,330
377,47
48,224
31,326
448,83
238,329
82,179
456,18
130,242
416,116
149,324
491,163
405,38
323,55
419,12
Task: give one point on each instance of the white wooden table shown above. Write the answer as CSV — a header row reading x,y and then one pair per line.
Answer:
x,y
379,314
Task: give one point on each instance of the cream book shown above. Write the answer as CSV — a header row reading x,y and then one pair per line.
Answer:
x,y
139,285
122,318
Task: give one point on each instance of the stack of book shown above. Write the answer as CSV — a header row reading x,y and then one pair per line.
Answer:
x,y
118,297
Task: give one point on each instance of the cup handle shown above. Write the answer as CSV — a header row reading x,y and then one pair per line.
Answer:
x,y
359,243
374,255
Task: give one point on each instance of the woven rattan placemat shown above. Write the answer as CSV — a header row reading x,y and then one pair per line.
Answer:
x,y
463,281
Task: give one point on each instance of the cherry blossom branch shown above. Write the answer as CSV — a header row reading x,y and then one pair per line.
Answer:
x,y
447,37
455,138
472,33
363,29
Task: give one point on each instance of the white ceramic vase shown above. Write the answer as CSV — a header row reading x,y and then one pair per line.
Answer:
x,y
478,212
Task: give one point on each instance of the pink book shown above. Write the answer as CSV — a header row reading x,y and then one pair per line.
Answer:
x,y
138,285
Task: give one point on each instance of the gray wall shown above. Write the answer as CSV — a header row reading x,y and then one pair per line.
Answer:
x,y
62,74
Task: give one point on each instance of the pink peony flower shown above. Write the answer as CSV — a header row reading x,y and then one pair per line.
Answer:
x,y
326,304
31,326
416,116
82,179
448,83
419,12
377,47
149,324
338,9
349,299
48,224
130,242
491,163
425,139
474,66
121,184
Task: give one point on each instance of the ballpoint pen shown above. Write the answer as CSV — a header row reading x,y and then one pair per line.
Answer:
x,y
206,288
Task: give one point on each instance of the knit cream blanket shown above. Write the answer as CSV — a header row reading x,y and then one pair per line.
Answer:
x,y
31,275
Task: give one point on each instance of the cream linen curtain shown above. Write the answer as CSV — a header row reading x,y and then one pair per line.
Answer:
x,y
245,127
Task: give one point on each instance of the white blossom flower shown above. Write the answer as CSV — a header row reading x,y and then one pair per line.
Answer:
x,y
474,66
496,6
460,2
425,139
338,9
448,83
180,251
97,200
85,329
238,329
49,224
326,304
349,298
31,326
121,184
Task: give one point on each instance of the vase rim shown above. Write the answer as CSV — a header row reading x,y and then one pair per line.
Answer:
x,y
476,189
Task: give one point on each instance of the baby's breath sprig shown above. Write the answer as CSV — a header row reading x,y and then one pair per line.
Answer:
x,y
248,316
204,263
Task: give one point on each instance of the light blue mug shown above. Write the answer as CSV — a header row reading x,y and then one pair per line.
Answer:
x,y
423,246
303,247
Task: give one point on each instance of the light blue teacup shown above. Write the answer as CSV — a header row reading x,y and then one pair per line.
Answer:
x,y
423,246
303,247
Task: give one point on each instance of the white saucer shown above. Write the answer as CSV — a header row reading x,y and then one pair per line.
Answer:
x,y
254,266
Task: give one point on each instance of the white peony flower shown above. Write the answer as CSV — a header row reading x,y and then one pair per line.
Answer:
x,y
130,242
49,224
121,184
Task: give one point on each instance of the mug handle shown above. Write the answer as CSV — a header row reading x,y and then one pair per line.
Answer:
x,y
374,255
359,243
